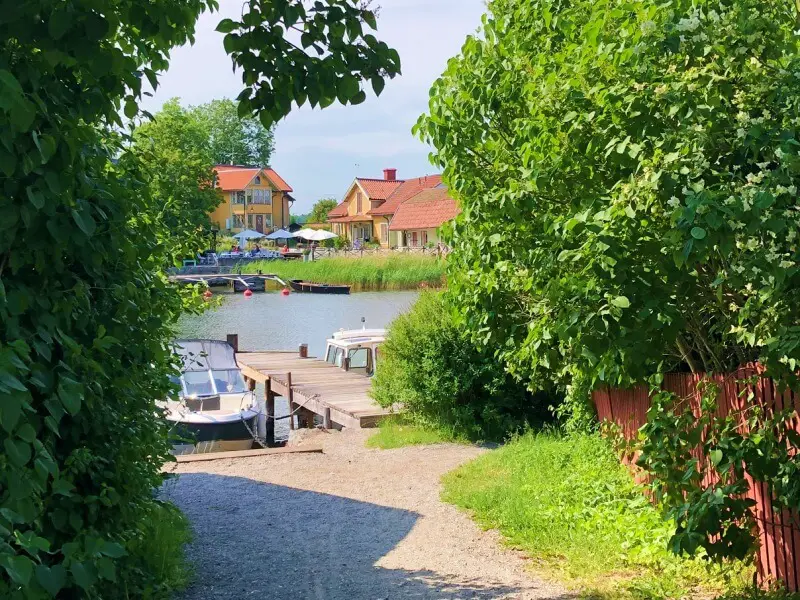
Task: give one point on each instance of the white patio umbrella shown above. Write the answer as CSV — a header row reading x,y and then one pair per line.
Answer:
x,y
320,235
280,234
304,233
247,234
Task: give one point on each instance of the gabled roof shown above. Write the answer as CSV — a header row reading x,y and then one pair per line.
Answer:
x,y
427,209
378,189
235,177
407,189
339,211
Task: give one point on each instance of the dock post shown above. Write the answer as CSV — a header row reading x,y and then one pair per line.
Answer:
x,y
326,418
303,350
269,398
291,400
233,341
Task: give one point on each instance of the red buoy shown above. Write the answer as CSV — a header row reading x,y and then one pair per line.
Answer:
x,y
285,292
248,293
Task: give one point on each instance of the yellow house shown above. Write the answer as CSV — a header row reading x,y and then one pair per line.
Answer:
x,y
368,207
253,198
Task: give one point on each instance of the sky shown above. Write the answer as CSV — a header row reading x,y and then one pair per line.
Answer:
x,y
320,152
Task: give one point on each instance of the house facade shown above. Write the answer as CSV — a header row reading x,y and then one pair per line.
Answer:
x,y
253,198
369,207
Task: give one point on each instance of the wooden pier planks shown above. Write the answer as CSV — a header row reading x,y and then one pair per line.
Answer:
x,y
316,385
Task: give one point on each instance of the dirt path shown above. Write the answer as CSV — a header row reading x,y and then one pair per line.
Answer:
x,y
349,524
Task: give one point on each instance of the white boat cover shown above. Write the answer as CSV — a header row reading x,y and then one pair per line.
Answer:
x,y
202,355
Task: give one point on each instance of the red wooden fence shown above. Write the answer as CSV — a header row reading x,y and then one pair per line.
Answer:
x,y
778,532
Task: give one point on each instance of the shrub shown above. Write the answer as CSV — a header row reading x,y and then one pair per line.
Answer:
x,y
431,367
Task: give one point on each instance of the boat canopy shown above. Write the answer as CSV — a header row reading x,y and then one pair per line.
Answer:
x,y
205,355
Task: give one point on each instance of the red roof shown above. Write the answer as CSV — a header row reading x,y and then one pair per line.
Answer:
x,y
350,219
407,189
428,209
378,189
233,177
339,211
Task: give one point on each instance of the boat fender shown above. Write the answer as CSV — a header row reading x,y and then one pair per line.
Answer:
x,y
248,292
285,292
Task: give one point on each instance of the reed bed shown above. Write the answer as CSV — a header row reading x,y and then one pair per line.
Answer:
x,y
374,273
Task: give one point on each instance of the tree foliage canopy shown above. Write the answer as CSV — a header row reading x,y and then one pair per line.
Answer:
x,y
233,139
319,212
628,172
85,312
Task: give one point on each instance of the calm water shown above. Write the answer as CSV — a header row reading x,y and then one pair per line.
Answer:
x,y
270,321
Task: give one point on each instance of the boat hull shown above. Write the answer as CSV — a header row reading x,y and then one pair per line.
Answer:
x,y
308,287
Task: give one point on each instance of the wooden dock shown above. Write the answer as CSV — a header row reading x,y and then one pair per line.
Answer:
x,y
312,387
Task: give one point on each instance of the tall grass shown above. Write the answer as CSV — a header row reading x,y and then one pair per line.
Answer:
x,y
159,551
569,504
393,272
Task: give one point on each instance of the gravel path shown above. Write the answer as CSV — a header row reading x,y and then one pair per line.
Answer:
x,y
348,524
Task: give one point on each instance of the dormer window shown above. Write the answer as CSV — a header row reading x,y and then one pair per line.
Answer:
x,y
258,180
359,206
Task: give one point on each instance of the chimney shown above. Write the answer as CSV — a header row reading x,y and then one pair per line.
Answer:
x,y
390,174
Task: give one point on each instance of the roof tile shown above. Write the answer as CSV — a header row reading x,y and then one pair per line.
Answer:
x,y
427,209
408,188
233,177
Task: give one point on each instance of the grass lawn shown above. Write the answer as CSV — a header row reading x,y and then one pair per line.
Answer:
x,y
569,504
393,272
398,432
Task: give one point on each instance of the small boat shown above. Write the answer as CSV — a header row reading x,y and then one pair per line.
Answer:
x,y
355,350
214,411
309,287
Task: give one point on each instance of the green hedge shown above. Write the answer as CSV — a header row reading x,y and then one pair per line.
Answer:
x,y
431,367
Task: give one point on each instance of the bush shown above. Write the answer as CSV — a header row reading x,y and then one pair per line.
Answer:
x,y
431,367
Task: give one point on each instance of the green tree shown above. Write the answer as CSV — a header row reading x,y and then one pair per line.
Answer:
x,y
233,139
628,173
174,154
320,210
85,311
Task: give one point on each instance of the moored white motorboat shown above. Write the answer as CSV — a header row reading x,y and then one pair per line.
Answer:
x,y
214,411
355,350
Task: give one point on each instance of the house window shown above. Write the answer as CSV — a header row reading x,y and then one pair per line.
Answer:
x,y
384,233
237,197
267,220
414,239
238,221
258,180
251,219
424,238
359,200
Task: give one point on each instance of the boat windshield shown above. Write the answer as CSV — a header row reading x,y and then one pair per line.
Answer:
x,y
198,383
229,381
334,356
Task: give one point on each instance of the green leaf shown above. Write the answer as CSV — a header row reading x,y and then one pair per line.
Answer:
x,y
698,233
227,25
131,108
570,116
113,550
715,456
52,579
19,568
84,221
59,23
378,84
70,393
36,197
19,452
82,574
621,302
